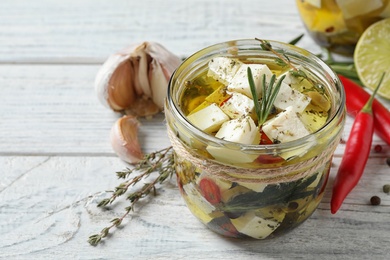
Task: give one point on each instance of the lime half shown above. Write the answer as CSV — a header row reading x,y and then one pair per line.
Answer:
x,y
372,56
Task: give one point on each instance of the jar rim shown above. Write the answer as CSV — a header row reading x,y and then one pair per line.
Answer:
x,y
223,49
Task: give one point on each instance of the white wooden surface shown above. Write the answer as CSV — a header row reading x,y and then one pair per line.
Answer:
x,y
56,160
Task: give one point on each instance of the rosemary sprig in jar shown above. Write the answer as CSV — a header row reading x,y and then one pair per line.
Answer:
x,y
160,162
269,93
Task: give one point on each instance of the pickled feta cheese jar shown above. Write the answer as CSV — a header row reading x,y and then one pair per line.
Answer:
x,y
338,24
259,188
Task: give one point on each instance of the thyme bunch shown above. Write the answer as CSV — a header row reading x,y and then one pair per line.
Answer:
x,y
161,162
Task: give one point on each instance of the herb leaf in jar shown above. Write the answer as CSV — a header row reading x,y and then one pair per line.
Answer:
x,y
269,95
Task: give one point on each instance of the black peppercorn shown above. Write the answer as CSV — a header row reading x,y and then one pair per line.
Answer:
x,y
375,200
386,188
293,205
378,148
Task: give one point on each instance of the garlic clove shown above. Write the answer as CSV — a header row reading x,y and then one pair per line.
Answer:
x,y
124,139
158,83
105,82
143,81
162,65
137,86
168,61
120,91
136,74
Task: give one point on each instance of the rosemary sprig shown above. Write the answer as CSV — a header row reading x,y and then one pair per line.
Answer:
x,y
159,161
269,92
296,39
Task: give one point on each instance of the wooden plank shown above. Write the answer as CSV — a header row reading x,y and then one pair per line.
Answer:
x,y
56,160
55,110
48,210
91,30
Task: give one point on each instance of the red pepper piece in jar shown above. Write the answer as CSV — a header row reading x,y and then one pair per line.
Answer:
x,y
267,158
224,226
356,98
224,101
356,153
210,191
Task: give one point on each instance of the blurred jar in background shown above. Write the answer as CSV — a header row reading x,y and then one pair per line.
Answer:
x,y
338,24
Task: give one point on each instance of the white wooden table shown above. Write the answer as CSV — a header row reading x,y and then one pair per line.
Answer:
x,y
55,156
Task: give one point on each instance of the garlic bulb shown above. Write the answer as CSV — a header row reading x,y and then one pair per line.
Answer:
x,y
124,139
136,79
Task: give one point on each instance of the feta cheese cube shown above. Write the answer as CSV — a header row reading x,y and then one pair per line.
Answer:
x,y
285,126
208,119
218,96
254,226
289,78
290,97
223,69
316,3
238,105
354,8
240,82
242,130
297,82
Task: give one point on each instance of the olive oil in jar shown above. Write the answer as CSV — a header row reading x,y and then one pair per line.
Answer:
x,y
203,90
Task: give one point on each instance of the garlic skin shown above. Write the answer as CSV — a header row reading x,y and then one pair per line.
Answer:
x,y
124,139
136,79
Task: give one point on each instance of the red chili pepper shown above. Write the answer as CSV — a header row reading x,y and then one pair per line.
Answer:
x,y
356,97
356,153
210,191
224,101
264,139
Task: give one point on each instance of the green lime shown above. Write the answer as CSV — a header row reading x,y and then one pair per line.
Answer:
x,y
372,56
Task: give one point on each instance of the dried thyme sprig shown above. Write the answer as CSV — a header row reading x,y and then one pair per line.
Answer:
x,y
159,161
269,92
282,59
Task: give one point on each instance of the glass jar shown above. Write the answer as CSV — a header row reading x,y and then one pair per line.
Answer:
x,y
264,196
338,24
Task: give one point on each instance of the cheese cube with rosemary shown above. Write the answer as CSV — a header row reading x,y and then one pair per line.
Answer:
x,y
208,119
285,126
240,81
290,97
223,69
241,130
254,226
238,105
